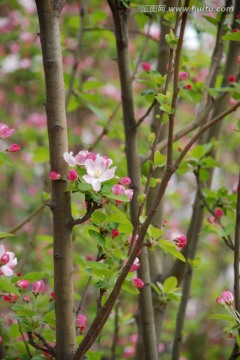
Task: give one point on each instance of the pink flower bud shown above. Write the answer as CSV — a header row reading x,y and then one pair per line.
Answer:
x,y
232,101
138,283
129,193
53,175
115,233
72,175
188,87
5,259
23,284
38,287
180,241
81,322
146,66
231,78
125,181
5,131
14,148
218,213
135,266
10,298
227,297
52,296
183,76
118,189
26,299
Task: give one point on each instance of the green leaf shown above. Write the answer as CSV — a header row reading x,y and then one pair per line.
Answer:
x,y
116,215
198,151
234,36
99,238
211,20
36,276
5,235
171,249
203,175
41,154
170,284
97,269
156,289
84,187
98,112
93,355
222,317
98,217
50,318
128,286
4,159
159,159
21,311
6,286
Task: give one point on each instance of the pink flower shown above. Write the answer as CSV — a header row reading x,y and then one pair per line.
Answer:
x,y
7,261
115,233
72,175
98,171
5,131
183,76
129,193
14,148
180,241
129,352
38,287
10,298
53,175
118,189
69,158
135,266
125,181
23,284
81,322
83,155
138,283
231,78
226,298
146,66
218,213
133,338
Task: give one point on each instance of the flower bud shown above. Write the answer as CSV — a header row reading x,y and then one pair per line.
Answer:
x,y
23,284
138,283
53,175
72,175
38,287
14,148
146,66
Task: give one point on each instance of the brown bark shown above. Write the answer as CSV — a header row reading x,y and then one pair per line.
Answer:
x,y
48,14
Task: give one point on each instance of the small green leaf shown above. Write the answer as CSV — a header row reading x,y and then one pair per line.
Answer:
x,y
203,175
6,286
234,36
84,187
211,20
36,276
93,355
128,286
4,159
50,318
99,238
98,112
5,235
222,317
170,284
98,217
159,159
171,249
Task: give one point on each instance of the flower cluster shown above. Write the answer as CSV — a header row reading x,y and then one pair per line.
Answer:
x,y
180,241
7,261
6,132
226,298
119,189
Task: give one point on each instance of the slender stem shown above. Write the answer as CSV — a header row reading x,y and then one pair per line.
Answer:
x,y
24,341
83,296
116,332
175,86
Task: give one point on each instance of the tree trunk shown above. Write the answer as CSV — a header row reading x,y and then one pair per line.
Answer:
x,y
48,14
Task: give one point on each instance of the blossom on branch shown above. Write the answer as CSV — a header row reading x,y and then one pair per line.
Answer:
x,y
5,131
7,261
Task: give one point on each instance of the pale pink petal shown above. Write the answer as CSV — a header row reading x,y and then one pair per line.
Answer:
x,y
108,174
96,184
12,263
90,167
69,158
81,157
6,270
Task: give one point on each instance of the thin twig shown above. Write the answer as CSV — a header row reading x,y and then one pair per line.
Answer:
x,y
83,296
23,339
142,118
93,207
116,332
205,128
29,218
